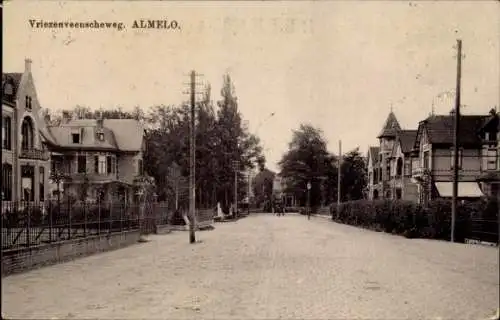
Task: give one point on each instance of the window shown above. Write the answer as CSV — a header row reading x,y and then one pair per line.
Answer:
x,y
27,185
399,167
82,163
28,103
8,92
388,172
75,137
96,164
100,136
491,159
27,134
7,182
407,168
460,156
109,164
490,136
42,183
426,155
102,164
6,133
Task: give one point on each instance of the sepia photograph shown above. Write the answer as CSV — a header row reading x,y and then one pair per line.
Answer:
x,y
250,160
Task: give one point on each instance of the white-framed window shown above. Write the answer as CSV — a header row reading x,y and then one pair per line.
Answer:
x,y
426,159
102,164
491,159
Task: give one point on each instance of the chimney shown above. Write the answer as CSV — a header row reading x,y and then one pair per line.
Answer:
x,y
99,121
66,117
27,65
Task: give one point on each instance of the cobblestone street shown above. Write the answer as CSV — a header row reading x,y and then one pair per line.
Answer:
x,y
266,267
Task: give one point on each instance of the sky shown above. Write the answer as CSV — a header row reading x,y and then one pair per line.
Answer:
x,y
339,66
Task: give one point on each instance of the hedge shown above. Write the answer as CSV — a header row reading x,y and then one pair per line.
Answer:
x,y
415,221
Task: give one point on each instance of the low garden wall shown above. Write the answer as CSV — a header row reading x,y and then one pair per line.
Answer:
x,y
24,259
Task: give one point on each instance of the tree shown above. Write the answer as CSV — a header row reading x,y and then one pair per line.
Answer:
x,y
354,176
307,160
263,186
221,139
234,145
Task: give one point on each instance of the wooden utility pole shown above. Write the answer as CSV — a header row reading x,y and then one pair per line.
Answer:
x,y
339,181
456,141
235,165
192,204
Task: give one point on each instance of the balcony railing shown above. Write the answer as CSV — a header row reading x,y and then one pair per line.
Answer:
x,y
419,172
36,154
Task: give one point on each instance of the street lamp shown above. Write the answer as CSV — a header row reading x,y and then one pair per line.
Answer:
x,y
308,200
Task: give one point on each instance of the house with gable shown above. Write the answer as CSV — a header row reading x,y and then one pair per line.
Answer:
x,y
25,157
434,156
401,162
379,165
373,172
103,158
489,180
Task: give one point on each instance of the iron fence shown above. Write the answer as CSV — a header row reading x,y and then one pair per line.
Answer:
x,y
486,230
27,224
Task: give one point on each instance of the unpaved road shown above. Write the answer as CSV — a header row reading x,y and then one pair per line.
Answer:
x,y
266,267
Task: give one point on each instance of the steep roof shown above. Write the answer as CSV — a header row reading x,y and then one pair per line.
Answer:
x,y
129,133
119,134
440,129
15,76
62,136
391,127
373,153
406,139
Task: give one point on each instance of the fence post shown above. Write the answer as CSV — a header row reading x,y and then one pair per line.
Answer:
x,y
50,221
99,218
121,220
110,219
28,224
84,221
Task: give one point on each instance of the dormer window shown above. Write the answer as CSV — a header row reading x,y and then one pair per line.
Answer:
x,y
75,137
8,92
100,136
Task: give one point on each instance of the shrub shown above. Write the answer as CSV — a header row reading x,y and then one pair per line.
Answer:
x,y
414,221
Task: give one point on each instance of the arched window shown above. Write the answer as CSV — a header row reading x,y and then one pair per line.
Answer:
x,y
7,182
27,134
399,167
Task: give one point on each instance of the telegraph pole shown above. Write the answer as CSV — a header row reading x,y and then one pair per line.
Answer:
x,y
456,141
192,162
339,177
235,165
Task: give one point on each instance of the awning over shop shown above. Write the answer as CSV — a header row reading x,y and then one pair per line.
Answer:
x,y
465,189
